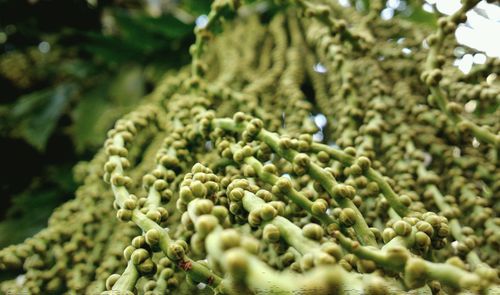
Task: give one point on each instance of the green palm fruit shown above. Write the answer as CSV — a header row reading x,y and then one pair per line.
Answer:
x,y
309,148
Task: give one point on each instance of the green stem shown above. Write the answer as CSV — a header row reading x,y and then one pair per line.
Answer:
x,y
370,173
455,227
328,182
195,270
481,133
128,279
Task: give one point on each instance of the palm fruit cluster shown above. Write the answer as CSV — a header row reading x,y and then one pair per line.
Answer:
x,y
224,181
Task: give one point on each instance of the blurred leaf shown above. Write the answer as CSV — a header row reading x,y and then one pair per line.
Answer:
x,y
128,87
103,52
31,208
17,229
111,49
139,38
78,69
102,105
91,119
197,7
62,176
417,14
135,34
29,103
166,25
37,113
365,4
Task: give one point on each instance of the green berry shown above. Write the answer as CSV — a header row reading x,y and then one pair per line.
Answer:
x,y
347,217
111,280
139,255
271,233
152,237
198,189
230,238
205,224
319,207
236,194
422,240
268,212
313,231
402,228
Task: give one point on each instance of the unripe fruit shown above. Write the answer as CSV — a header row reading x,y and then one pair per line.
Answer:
x,y
175,251
185,194
355,170
220,212
345,191
425,227
254,218
203,206
251,245
236,264
139,255
154,215
264,195
124,215
236,194
323,157
147,267
160,184
198,189
422,240
402,228
363,162
388,234
319,207
307,262
347,217
111,280
152,237
313,231
230,238
332,249
130,204
443,231
284,184
205,224
127,253
405,200
301,160
268,212
271,233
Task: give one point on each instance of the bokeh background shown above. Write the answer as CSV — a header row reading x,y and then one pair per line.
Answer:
x,y
69,69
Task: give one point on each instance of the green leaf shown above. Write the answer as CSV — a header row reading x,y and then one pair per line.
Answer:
x,y
103,104
365,5
135,34
197,7
417,14
128,87
111,49
29,103
166,25
31,208
91,118
36,114
79,69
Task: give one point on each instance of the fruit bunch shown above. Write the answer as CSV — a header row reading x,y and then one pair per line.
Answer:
x,y
308,148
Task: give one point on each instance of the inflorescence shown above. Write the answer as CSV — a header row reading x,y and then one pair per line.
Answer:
x,y
298,153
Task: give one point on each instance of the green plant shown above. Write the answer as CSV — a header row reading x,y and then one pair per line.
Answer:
x,y
397,191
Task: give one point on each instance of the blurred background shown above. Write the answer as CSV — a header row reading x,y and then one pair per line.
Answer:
x,y
70,68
